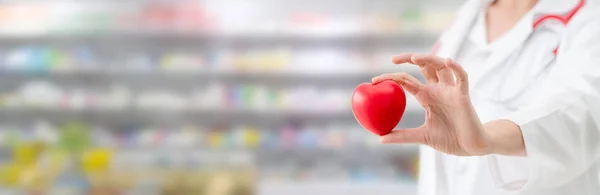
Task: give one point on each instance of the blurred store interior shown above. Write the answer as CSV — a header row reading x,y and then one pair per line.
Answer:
x,y
204,97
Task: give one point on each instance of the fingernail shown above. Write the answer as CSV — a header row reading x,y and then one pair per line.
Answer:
x,y
450,61
414,58
382,140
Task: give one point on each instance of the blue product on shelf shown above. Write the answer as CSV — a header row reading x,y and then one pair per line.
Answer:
x,y
84,57
2,62
360,175
39,60
71,181
308,138
235,97
269,140
238,98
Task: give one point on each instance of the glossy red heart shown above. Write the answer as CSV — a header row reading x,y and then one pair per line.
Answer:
x,y
379,107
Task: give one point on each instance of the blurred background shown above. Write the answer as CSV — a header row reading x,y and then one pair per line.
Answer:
x,y
203,97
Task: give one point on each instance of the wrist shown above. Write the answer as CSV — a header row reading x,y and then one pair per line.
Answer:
x,y
503,137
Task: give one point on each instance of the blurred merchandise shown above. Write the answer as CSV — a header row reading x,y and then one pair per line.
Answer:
x,y
208,17
36,162
82,59
259,98
212,97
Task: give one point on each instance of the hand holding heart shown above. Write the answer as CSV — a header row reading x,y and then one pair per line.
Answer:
x,y
451,123
379,107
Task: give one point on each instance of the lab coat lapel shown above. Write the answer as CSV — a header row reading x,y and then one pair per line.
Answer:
x,y
514,42
509,45
454,38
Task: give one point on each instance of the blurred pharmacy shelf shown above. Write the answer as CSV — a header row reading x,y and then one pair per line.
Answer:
x,y
215,97
186,80
329,187
150,117
220,41
268,19
343,145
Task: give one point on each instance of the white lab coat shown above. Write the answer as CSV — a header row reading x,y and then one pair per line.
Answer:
x,y
554,98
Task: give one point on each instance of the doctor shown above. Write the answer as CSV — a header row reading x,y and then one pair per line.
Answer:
x,y
518,109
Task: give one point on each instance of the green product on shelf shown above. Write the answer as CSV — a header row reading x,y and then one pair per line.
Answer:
x,y
103,22
11,138
56,59
74,137
248,95
411,19
274,97
412,14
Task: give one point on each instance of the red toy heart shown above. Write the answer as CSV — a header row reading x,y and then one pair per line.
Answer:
x,y
379,107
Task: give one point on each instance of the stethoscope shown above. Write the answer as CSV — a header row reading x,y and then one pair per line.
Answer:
x,y
562,19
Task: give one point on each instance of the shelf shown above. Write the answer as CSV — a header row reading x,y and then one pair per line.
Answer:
x,y
186,80
158,118
165,39
332,187
352,153
347,153
233,1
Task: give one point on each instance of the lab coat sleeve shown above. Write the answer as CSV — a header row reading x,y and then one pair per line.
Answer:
x,y
429,175
561,127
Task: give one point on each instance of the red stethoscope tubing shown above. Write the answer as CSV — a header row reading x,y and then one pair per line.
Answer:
x,y
563,19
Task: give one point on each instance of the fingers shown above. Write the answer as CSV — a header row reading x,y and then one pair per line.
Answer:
x,y
407,81
436,69
462,79
429,74
437,65
404,136
403,58
433,68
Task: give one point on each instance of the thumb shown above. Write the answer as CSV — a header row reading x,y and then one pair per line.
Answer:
x,y
404,136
